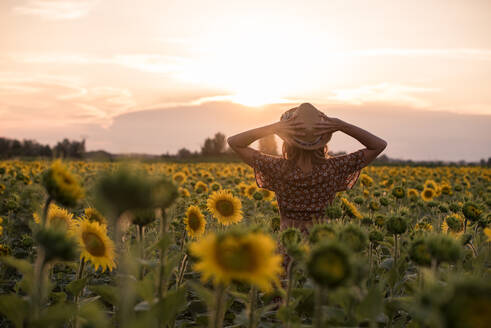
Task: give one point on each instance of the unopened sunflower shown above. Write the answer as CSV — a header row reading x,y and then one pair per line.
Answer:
x,y
225,207
195,222
95,245
246,257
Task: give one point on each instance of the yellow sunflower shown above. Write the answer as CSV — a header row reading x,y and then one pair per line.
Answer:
x,y
200,187
487,232
247,257
195,222
92,214
225,207
453,225
267,194
184,192
95,245
179,177
412,193
57,217
350,209
250,190
427,194
242,187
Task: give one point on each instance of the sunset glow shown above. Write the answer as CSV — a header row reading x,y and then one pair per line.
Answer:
x,y
78,66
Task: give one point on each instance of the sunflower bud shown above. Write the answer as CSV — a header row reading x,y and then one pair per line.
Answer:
x,y
375,236
354,237
329,264
468,305
143,217
398,192
57,244
471,211
444,248
419,252
61,185
321,232
334,212
290,237
396,225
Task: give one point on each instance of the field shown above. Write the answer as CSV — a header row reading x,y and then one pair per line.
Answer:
x,y
89,244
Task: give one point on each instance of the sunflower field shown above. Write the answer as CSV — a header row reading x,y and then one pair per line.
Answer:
x,y
95,244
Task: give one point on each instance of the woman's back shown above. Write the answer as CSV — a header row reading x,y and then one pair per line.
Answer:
x,y
303,196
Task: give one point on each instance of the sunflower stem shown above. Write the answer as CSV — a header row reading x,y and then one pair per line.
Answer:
x,y
182,269
79,276
318,307
163,256
252,308
219,309
45,211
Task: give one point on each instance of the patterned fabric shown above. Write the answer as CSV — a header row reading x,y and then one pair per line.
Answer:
x,y
302,197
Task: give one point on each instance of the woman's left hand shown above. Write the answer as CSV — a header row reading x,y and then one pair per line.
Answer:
x,y
327,125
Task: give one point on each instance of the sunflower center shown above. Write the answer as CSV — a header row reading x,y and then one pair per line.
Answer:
x,y
428,193
236,257
225,207
193,221
94,244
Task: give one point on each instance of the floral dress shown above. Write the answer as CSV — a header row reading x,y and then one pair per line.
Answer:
x,y
302,197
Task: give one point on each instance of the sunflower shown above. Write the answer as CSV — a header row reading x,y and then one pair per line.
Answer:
x,y
427,194
267,194
61,185
95,245
412,193
487,232
57,217
453,225
225,207
366,180
215,186
92,214
246,257
184,192
250,190
179,177
200,187
350,209
242,187
195,222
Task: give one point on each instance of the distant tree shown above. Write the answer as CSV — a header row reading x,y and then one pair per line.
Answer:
x,y
267,145
67,148
214,146
184,153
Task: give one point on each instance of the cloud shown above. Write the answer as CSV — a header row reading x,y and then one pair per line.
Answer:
x,y
29,100
155,63
383,92
454,53
56,9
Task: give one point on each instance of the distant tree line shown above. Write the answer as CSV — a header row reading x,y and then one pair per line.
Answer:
x,y
10,148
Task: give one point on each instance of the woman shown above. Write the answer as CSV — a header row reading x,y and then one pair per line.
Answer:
x,y
304,179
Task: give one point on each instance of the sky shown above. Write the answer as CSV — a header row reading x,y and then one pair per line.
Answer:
x,y
155,76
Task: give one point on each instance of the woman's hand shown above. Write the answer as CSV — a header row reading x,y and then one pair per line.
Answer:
x,y
289,127
327,125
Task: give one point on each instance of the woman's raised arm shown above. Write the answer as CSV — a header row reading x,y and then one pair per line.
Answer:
x,y
374,144
240,142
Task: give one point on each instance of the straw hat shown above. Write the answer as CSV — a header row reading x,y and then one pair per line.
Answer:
x,y
309,115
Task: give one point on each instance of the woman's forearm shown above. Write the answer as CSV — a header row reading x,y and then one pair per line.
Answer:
x,y
244,139
366,138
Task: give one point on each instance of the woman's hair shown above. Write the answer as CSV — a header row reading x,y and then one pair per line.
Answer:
x,y
291,152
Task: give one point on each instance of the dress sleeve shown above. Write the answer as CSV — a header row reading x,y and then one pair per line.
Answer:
x,y
266,170
347,169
